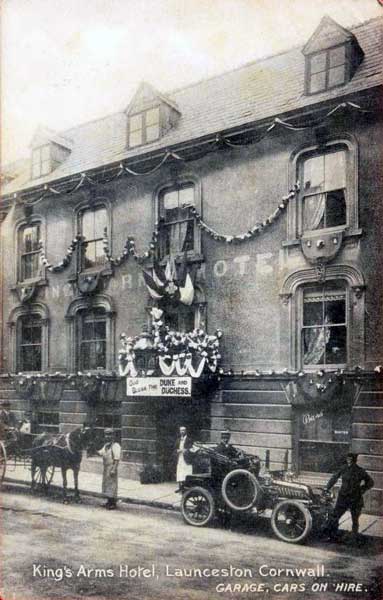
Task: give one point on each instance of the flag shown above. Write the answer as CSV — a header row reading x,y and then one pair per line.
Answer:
x,y
158,275
154,290
185,283
187,291
170,270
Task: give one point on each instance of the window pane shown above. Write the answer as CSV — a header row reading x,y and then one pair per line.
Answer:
x,y
88,329
100,222
100,330
36,170
312,312
314,344
186,196
314,211
335,170
135,138
335,208
27,266
36,334
188,240
336,345
318,62
337,56
45,153
152,133
36,158
135,123
335,310
313,172
89,255
153,116
171,200
318,82
88,224
336,76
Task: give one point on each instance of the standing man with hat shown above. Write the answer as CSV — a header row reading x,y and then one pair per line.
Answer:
x,y
355,482
111,454
184,465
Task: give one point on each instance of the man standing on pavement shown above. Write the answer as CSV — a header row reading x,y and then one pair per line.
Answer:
x,y
184,466
355,482
111,454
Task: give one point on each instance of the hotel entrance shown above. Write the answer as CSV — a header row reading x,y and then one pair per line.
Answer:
x,y
171,414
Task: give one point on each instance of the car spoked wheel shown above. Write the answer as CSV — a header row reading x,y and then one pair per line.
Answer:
x,y
240,490
291,521
198,507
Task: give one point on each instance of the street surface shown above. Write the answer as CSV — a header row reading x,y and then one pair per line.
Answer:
x,y
50,550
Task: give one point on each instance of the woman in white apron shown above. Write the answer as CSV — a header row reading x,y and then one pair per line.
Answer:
x,y
184,443
111,454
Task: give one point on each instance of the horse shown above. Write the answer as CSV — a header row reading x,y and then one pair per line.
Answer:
x,y
60,450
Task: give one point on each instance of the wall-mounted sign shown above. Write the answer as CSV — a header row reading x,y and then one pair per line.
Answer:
x,y
158,386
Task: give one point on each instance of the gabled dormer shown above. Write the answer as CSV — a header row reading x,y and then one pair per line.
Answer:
x,y
150,116
332,56
49,149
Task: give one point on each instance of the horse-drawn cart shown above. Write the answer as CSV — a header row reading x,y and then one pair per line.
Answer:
x,y
225,486
17,449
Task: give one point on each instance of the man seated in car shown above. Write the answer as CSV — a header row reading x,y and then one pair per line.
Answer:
x,y
224,447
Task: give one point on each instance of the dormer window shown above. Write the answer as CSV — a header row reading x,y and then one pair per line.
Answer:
x,y
327,69
144,127
41,161
332,56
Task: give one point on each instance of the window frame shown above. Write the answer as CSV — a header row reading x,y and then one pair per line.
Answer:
x,y
301,326
327,53
181,182
81,317
295,208
75,308
14,323
101,203
39,161
144,126
291,295
21,253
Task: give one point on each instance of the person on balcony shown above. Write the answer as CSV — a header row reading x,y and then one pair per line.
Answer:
x,y
184,464
355,482
111,454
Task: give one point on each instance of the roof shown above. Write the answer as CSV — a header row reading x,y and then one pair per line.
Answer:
x,y
256,91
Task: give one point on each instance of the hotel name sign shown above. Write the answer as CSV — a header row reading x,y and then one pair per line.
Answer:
x,y
158,386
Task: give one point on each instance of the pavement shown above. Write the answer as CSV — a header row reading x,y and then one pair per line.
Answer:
x,y
160,495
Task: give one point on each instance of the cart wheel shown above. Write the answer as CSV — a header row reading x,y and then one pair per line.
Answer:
x,y
44,479
241,490
291,521
3,462
197,506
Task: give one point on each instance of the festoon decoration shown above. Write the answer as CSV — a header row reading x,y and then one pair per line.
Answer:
x,y
107,175
178,353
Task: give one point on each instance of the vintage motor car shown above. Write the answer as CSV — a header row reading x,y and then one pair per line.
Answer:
x,y
221,485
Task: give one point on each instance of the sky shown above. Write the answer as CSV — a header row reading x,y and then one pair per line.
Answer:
x,y
65,62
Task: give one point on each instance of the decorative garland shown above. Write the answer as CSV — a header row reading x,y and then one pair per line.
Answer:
x,y
253,231
130,244
65,262
121,169
180,353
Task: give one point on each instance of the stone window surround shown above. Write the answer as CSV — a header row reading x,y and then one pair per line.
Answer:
x,y
87,303
42,311
294,211
292,298
89,204
34,219
180,180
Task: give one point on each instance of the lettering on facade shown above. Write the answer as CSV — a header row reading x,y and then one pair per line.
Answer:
x,y
239,266
158,386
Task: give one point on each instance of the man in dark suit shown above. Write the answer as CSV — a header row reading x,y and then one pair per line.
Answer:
x,y
224,447
355,482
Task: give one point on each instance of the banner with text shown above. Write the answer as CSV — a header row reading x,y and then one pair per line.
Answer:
x,y
158,386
